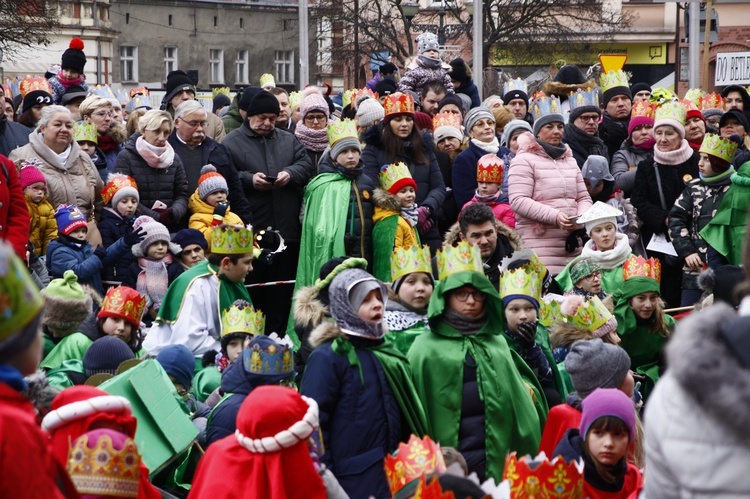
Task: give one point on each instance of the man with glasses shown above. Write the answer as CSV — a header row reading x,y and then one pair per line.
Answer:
x,y
179,89
586,275
196,149
581,133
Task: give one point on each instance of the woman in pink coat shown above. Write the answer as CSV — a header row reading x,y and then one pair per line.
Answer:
x,y
547,192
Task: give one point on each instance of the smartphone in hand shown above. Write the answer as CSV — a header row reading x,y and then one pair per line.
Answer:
x,y
271,179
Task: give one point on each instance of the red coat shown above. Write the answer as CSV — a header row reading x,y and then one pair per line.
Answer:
x,y
633,483
560,419
14,215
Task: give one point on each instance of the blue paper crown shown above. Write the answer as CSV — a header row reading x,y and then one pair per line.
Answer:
x,y
517,84
583,98
122,96
102,91
544,105
139,101
269,356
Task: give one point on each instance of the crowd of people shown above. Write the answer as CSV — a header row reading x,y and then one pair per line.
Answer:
x,y
396,291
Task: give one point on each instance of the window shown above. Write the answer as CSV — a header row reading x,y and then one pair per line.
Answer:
x,y
128,63
170,59
241,65
216,65
283,60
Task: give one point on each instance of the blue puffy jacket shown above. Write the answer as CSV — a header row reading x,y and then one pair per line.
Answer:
x,y
64,254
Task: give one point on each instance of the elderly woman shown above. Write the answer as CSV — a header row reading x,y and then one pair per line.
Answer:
x,y
638,146
98,111
70,174
313,124
547,192
150,160
659,181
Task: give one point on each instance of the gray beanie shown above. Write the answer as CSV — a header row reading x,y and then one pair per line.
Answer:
x,y
475,115
547,119
514,126
369,112
594,364
343,144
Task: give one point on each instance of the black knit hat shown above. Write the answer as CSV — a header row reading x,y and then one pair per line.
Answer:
x,y
177,81
220,100
74,58
458,71
264,102
639,87
570,75
608,94
732,113
35,98
516,94
105,355
385,87
247,97
388,68
72,93
451,99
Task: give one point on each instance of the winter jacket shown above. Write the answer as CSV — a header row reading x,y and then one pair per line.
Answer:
x,y
63,254
561,418
12,136
217,154
417,76
692,211
43,224
14,214
470,89
202,216
613,133
112,227
646,199
583,145
75,183
540,188
100,162
215,129
233,120
387,206
429,180
279,151
465,173
696,441
624,163
168,185
235,385
502,211
58,89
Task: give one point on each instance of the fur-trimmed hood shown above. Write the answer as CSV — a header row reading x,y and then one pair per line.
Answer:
x,y
66,315
308,310
328,331
384,199
528,144
564,89
453,236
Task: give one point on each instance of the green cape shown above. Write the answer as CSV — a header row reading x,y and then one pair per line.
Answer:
x,y
515,406
404,339
542,339
611,279
58,377
72,347
383,239
205,382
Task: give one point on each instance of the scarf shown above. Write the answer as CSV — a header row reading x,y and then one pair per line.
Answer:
x,y
107,144
646,146
429,62
63,161
351,173
410,214
488,147
553,152
590,143
68,83
490,198
676,157
610,259
156,157
718,179
153,280
315,140
463,323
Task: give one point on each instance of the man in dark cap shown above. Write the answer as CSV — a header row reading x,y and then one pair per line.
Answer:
x,y
640,92
180,88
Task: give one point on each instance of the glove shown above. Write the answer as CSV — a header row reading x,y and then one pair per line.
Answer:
x,y
100,252
423,219
134,237
165,216
527,335
220,211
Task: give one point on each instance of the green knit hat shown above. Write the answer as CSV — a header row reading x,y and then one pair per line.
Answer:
x,y
66,304
583,267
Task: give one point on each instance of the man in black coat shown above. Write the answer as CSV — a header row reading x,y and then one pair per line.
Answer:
x,y
12,135
613,130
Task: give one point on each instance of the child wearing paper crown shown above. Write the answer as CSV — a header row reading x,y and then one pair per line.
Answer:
x,y
156,265
71,71
87,137
120,316
489,192
608,426
395,218
120,195
696,206
43,228
208,205
426,67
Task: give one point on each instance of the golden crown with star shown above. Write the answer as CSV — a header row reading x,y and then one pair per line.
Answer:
x,y
104,470
644,109
590,315
521,281
409,261
340,129
713,101
460,258
242,318
393,173
232,240
671,110
398,103
718,146
446,119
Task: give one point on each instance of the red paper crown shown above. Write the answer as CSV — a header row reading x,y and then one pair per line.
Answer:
x,y
125,303
541,477
398,103
31,84
644,109
637,266
138,91
433,490
712,101
116,182
412,460
365,92
490,169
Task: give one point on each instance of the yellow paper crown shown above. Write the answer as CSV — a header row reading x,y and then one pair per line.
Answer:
x,y
294,99
104,470
20,300
32,84
409,261
521,281
695,95
637,266
672,111
267,80
85,131
242,318
398,103
220,90
542,105
348,96
394,175
644,109
532,263
591,315
550,312
412,460
490,169
712,101
613,79
539,477
584,98
232,240
446,119
341,129
460,258
718,146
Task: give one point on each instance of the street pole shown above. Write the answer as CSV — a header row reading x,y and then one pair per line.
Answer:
x,y
304,57
694,63
707,45
441,28
477,46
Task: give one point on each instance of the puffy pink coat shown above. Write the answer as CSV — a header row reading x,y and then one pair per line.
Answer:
x,y
539,188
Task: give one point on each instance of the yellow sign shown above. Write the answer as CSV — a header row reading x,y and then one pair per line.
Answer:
x,y
637,53
612,62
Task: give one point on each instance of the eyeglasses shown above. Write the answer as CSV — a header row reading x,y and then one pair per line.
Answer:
x,y
596,276
463,295
195,124
315,117
102,114
589,119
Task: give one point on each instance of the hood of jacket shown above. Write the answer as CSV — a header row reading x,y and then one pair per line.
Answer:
x,y
453,236
308,310
197,205
385,200
324,332
528,144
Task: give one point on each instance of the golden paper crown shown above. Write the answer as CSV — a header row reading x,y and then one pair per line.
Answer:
x,y
539,477
521,281
542,105
32,84
85,131
550,312
411,461
644,109
490,169
460,258
409,261
267,80
398,103
431,490
103,470
612,79
517,84
348,96
532,263
695,95
102,91
220,90
365,92
718,146
637,266
672,111
242,318
232,240
294,99
591,315
139,91
116,181
341,129
584,98
395,175
446,119
712,101
124,303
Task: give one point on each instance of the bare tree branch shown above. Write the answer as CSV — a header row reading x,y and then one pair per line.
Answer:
x,y
25,22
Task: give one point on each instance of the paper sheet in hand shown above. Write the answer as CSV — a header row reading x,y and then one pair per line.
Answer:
x,y
660,244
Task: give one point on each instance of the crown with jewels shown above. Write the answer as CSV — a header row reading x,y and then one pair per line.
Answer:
x,y
361,94
584,98
521,281
460,258
294,99
612,79
393,173
590,315
550,312
103,470
341,129
409,261
32,84
398,103
695,95
671,110
275,357
490,169
431,490
518,84
267,80
718,146
85,131
232,240
139,91
102,91
644,109
539,477
122,96
712,101
446,119
116,181
542,105
220,90
637,266
242,318
412,460
124,303
348,96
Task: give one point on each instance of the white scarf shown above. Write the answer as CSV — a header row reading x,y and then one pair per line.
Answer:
x,y
490,147
609,259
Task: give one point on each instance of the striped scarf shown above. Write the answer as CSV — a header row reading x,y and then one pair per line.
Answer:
x,y
153,280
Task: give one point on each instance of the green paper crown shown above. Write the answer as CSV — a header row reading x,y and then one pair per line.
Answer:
x,y
408,261
533,264
671,110
718,146
242,318
20,300
695,95
612,79
391,174
549,312
220,90
592,315
521,281
85,131
266,79
341,129
294,99
232,240
460,258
